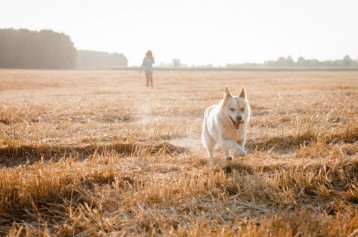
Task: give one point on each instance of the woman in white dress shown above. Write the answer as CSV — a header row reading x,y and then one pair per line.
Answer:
x,y
147,66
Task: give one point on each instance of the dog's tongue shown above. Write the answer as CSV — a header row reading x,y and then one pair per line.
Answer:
x,y
237,123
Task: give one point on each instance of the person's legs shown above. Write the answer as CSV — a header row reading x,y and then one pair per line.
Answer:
x,y
151,79
147,75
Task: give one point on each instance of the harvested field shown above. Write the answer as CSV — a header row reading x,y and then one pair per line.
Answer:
x,y
95,153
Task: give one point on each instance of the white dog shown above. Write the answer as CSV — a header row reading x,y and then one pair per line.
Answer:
x,y
226,124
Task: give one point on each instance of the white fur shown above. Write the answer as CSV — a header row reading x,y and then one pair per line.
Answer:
x,y
218,128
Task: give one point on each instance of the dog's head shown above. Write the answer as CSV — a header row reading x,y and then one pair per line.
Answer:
x,y
236,108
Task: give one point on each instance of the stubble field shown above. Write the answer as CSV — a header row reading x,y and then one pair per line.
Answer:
x,y
95,153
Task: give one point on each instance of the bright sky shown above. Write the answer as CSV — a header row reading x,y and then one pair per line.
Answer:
x,y
197,32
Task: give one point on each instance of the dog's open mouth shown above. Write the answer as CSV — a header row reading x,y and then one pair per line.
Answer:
x,y
236,123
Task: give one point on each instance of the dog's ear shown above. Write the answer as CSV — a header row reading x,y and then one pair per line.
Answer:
x,y
227,93
243,93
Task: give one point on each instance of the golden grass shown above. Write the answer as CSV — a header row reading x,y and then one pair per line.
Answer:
x,y
95,153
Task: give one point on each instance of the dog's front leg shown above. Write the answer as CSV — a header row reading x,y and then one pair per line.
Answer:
x,y
228,145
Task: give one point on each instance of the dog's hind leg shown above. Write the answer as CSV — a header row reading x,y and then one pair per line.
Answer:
x,y
209,144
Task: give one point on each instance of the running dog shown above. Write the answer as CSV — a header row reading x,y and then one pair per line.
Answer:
x,y
226,124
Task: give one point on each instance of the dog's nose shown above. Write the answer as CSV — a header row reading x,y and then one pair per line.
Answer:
x,y
238,118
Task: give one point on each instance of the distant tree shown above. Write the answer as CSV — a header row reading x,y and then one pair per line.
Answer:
x,y
301,62
176,62
347,61
289,61
281,62
285,62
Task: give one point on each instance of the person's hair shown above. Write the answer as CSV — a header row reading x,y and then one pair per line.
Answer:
x,y
149,53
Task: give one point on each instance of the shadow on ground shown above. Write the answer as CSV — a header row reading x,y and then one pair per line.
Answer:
x,y
29,154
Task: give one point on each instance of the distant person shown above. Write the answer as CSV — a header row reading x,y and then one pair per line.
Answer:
x,y
147,66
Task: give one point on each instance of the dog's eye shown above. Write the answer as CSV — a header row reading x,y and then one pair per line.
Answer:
x,y
242,109
232,109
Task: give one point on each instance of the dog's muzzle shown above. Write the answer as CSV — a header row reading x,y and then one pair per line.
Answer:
x,y
236,123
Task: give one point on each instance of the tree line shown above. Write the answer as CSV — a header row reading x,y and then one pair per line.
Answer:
x,y
288,62
32,49
47,49
345,62
95,59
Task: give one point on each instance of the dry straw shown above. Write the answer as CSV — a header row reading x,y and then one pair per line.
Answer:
x,y
92,158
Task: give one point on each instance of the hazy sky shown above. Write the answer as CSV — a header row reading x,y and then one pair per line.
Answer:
x,y
197,32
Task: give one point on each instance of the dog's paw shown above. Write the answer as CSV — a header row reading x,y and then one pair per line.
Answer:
x,y
241,153
211,161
